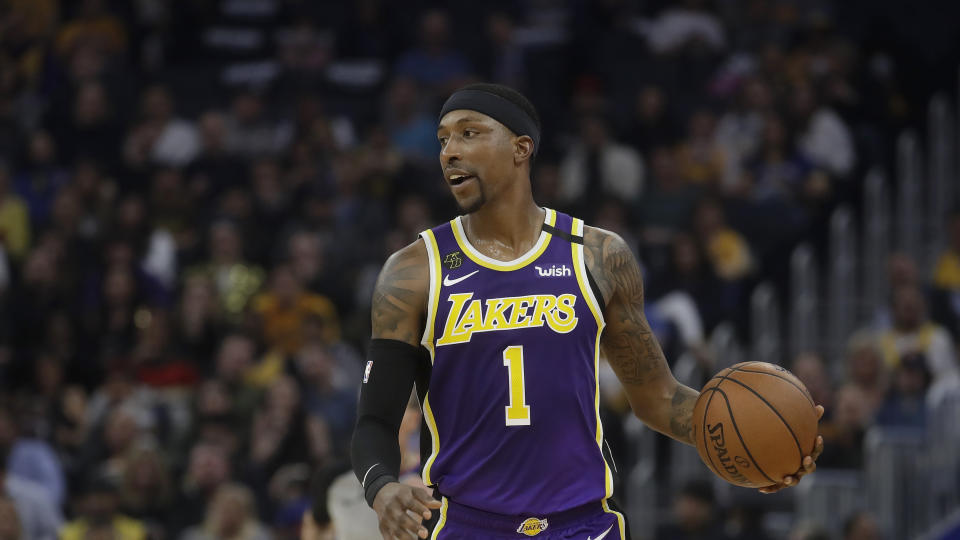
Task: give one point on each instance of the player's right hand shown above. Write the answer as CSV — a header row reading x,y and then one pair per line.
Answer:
x,y
402,509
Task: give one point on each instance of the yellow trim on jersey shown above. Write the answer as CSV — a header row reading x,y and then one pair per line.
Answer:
x,y
488,262
434,439
620,521
580,268
433,255
443,519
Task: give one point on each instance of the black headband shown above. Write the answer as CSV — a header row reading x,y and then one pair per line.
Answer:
x,y
499,108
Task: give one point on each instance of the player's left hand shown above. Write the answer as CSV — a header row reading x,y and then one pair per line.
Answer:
x,y
808,464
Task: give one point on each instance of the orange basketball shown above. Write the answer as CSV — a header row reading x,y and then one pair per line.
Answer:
x,y
754,423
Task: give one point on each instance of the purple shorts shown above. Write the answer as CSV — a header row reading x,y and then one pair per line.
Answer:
x,y
593,521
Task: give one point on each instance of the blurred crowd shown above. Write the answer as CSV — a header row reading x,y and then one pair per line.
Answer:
x,y
196,197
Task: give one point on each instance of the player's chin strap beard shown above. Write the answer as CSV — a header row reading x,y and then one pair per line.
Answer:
x,y
500,109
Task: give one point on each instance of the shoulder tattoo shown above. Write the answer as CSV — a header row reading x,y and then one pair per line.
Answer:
x,y
399,298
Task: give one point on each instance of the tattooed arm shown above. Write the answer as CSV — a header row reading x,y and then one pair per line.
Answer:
x,y
628,343
400,296
397,314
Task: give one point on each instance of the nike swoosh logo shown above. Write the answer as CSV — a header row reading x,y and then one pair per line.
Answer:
x,y
448,282
602,535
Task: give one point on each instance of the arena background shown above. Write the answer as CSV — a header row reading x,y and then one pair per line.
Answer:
x,y
196,197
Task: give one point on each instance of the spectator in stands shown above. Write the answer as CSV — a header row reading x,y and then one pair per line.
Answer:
x,y
412,131
236,280
154,249
312,265
913,332
99,511
139,403
119,300
843,433
434,64
778,171
689,26
198,323
282,432
92,129
214,418
121,434
901,271
740,130
38,404
171,203
689,271
213,169
866,369
28,28
811,370
145,487
231,515
40,293
700,158
38,181
236,356
284,307
161,138
324,395
70,427
286,499
651,123
30,458
861,526
250,132
14,218
597,166
727,250
38,514
93,24
503,59
208,467
668,202
822,135
694,515
905,405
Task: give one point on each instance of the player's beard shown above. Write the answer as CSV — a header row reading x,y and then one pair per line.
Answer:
x,y
474,205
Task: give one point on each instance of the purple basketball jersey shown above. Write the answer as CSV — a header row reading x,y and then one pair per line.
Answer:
x,y
512,405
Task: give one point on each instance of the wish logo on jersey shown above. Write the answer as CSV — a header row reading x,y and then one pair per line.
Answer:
x,y
513,313
554,271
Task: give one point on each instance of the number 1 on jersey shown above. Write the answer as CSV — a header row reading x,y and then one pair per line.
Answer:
x,y
518,412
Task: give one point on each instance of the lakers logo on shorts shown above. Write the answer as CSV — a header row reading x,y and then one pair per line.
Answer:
x,y
452,260
532,526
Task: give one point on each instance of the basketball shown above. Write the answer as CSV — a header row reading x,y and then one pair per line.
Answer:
x,y
754,423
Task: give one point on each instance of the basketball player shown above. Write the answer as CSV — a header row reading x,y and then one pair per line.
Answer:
x,y
499,317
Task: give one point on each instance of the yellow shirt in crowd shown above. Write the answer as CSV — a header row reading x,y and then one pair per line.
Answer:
x,y
946,275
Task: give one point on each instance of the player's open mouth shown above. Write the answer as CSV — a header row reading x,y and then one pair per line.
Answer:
x,y
457,179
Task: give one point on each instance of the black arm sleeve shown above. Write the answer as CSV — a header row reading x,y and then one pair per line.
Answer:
x,y
375,449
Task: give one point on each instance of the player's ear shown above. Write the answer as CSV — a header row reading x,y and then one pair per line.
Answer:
x,y
522,148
